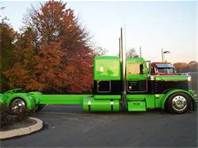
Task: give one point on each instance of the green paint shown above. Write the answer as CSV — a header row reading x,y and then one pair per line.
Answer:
x,y
62,99
158,100
1,100
100,105
89,104
29,100
171,78
135,60
137,77
151,100
36,96
136,106
86,103
107,68
107,97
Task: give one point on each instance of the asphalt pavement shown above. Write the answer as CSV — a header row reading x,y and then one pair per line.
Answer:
x,y
68,126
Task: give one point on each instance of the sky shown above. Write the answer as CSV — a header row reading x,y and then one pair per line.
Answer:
x,y
153,25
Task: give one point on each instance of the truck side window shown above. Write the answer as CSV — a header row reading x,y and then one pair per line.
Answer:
x,y
133,68
104,86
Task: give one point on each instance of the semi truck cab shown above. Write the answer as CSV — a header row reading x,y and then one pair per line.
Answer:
x,y
147,87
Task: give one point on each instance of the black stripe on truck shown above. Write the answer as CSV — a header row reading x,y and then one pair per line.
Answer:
x,y
154,87
138,87
108,87
163,86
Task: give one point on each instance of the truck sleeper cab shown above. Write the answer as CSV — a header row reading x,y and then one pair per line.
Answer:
x,y
144,90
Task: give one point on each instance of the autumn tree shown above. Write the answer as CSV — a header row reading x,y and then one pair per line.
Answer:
x,y
180,66
193,66
186,67
52,53
60,38
21,71
7,38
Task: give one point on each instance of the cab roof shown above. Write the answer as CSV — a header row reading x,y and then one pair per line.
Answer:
x,y
135,60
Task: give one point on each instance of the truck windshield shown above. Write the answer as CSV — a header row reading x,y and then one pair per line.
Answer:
x,y
165,68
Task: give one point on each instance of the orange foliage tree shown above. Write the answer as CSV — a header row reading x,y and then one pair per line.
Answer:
x,y
186,67
7,37
53,53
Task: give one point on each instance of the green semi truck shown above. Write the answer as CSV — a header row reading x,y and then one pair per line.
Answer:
x,y
120,84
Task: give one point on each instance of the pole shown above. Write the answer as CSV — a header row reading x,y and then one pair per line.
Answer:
x,y
120,51
123,67
162,54
140,51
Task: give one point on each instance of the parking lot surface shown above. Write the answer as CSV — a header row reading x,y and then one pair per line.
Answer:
x,y
67,126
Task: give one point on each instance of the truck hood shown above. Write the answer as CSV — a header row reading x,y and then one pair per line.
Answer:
x,y
171,77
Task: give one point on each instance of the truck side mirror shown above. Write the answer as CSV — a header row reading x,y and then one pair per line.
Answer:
x,y
148,65
141,68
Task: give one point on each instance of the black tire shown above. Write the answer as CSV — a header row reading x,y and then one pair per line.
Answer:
x,y
179,103
40,107
17,106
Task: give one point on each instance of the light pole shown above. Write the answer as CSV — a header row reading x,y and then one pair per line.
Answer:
x,y
140,48
163,54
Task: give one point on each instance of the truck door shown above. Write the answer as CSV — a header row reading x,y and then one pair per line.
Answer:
x,y
136,76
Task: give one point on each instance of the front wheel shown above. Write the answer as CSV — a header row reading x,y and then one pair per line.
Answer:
x,y
179,103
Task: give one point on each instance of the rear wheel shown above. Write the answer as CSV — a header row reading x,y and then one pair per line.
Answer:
x,y
179,103
17,106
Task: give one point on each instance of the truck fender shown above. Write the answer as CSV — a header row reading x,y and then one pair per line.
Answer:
x,y
169,93
29,100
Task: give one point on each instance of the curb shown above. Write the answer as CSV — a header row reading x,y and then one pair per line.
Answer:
x,y
22,131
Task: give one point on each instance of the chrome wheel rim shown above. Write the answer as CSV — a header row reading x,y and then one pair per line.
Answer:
x,y
179,103
17,106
